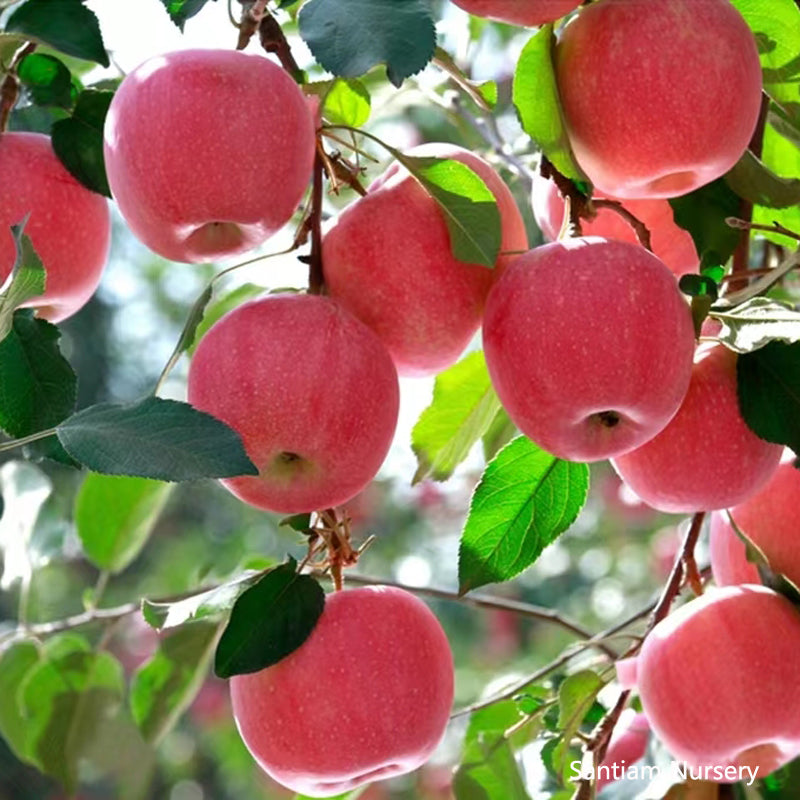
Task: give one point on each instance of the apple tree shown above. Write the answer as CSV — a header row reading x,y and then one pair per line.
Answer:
x,y
315,325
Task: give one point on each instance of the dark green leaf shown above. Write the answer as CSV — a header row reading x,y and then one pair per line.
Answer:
x,y
269,621
524,501
752,179
114,516
78,140
756,322
47,79
347,102
298,522
469,207
164,687
181,10
349,37
768,384
703,213
154,438
214,602
64,697
28,278
464,405
489,771
37,385
538,105
15,663
66,25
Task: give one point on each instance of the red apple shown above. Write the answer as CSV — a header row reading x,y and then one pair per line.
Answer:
x,y
69,226
706,458
671,243
589,346
208,152
367,696
770,518
627,746
519,12
310,389
719,680
658,96
387,258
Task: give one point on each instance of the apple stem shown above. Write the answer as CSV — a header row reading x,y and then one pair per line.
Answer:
x,y
9,89
316,276
639,228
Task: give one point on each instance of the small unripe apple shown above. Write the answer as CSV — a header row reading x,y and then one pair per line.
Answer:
x,y
707,457
719,680
519,12
311,391
387,258
770,518
208,152
671,243
659,96
69,226
589,346
367,696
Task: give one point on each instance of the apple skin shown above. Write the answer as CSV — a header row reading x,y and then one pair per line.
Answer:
x,y
628,743
69,226
659,97
387,258
671,243
530,13
367,696
311,391
572,332
770,518
719,679
208,152
706,458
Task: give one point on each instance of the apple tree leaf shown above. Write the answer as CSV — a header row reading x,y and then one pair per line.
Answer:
x,y
164,687
269,621
756,322
463,407
525,499
347,102
703,213
114,516
576,696
38,388
752,179
28,278
181,10
47,80
154,438
15,662
78,140
536,98
206,311
211,603
349,37
500,432
768,387
68,26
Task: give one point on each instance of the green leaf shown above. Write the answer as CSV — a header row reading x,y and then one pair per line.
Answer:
x,y
499,433
211,603
64,697
164,687
15,663
703,213
78,140
28,278
47,79
181,10
776,25
114,516
349,37
535,96
206,312
489,771
469,207
768,385
757,322
464,405
347,102
525,499
67,25
576,696
154,438
752,179
37,385
352,795
269,621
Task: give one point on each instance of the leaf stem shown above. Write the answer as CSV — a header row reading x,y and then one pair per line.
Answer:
x,y
21,442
